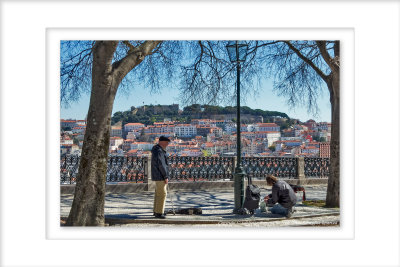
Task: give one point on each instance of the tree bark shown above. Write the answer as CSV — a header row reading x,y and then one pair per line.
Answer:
x,y
88,204
333,190
333,83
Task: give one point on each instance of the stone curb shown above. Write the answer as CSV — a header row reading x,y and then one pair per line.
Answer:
x,y
113,220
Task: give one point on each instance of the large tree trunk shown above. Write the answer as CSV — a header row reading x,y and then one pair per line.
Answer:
x,y
333,190
88,204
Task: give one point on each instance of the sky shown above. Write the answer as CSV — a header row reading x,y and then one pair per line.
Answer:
x,y
266,100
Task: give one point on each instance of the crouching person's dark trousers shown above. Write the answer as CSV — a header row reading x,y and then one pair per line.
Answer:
x,y
279,209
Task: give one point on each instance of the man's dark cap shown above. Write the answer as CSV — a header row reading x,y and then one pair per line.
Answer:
x,y
163,138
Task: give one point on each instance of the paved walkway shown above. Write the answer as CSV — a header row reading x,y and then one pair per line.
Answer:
x,y
136,209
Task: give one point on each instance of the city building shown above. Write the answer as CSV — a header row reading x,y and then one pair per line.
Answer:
x,y
68,123
230,128
204,122
159,128
127,144
281,145
79,129
267,127
312,150
217,131
81,122
133,135
133,126
115,143
69,149
66,140
142,145
324,150
311,124
185,130
207,137
203,130
116,131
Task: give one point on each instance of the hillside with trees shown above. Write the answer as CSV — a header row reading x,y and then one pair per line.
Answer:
x,y
149,114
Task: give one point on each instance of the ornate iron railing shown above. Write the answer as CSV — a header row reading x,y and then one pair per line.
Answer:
x,y
193,169
120,169
316,167
260,167
126,169
69,165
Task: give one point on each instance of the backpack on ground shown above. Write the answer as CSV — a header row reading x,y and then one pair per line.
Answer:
x,y
252,198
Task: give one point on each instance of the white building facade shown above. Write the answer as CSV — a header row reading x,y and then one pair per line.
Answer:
x,y
133,126
185,130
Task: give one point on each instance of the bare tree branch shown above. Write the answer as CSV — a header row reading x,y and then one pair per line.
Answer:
x,y
324,53
136,55
307,60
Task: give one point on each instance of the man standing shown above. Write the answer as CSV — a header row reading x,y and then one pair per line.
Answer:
x,y
159,174
283,194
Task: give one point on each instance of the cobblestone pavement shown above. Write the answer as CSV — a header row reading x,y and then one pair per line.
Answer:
x,y
136,210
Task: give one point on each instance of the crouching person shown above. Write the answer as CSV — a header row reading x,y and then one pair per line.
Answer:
x,y
283,194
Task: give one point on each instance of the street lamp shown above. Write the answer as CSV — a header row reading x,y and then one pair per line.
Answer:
x,y
237,52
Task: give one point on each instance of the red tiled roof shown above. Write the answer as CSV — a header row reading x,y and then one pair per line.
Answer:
x,y
134,124
267,124
266,132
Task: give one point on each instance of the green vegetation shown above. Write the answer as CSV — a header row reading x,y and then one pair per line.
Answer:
x,y
320,139
286,124
149,114
315,203
76,141
217,110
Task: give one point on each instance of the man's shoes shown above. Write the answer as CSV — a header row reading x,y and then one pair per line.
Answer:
x,y
154,214
159,216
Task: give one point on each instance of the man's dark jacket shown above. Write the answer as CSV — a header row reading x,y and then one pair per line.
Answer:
x,y
159,164
282,193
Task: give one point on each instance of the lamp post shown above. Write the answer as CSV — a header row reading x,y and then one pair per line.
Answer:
x,y
237,52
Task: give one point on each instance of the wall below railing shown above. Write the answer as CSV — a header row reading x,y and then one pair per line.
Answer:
x,y
126,188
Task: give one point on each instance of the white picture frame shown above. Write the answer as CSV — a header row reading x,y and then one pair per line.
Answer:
x,y
29,236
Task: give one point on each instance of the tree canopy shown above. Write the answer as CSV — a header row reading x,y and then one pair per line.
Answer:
x,y
202,71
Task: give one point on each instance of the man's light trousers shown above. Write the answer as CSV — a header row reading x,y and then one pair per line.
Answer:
x,y
160,196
